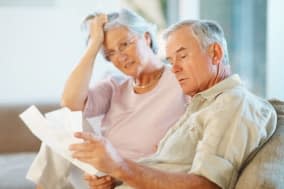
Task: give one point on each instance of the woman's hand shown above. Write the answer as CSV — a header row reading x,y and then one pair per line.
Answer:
x,y
104,182
96,31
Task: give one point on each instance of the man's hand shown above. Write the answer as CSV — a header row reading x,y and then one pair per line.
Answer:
x,y
104,182
97,151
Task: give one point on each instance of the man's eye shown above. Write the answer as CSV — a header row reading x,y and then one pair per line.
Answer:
x,y
168,61
183,56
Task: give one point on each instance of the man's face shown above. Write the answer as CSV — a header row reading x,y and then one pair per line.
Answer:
x,y
125,50
190,63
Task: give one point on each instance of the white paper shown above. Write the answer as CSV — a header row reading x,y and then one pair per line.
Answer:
x,y
56,130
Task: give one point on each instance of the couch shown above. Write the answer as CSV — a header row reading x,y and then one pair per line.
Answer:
x,y
18,148
266,169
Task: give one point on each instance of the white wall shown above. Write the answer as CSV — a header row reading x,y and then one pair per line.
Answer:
x,y
39,46
189,9
275,55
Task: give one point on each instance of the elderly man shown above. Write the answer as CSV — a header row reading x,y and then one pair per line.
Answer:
x,y
222,127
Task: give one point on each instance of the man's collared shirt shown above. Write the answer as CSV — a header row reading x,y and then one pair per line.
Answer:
x,y
220,129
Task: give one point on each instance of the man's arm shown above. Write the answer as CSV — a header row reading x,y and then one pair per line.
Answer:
x,y
141,177
98,152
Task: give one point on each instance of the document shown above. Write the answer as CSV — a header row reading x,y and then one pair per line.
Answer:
x,y
56,130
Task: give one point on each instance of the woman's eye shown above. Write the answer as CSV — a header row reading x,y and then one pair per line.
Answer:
x,y
109,55
122,46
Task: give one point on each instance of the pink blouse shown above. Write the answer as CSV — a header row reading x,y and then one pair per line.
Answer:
x,y
135,123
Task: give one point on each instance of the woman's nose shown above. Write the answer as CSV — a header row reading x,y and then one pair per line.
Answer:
x,y
122,57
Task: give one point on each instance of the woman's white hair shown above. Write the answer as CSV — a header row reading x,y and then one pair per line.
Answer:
x,y
207,32
133,22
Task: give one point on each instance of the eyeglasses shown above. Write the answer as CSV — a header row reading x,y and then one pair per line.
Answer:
x,y
121,48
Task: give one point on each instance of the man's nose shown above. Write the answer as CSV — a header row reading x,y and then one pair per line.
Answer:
x,y
176,67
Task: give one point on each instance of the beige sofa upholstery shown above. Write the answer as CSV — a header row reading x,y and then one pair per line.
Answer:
x,y
18,146
14,136
266,169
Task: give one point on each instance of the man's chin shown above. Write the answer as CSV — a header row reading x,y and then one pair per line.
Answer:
x,y
187,91
184,89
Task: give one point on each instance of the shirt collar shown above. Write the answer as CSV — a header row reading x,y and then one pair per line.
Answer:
x,y
228,83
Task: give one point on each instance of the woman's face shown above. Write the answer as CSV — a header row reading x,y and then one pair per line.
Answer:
x,y
126,50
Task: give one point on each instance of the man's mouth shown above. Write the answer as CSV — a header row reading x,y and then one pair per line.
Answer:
x,y
181,79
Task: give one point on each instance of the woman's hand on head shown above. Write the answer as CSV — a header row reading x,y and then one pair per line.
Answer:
x,y
96,28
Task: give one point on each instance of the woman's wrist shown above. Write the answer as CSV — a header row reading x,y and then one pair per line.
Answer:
x,y
95,43
93,49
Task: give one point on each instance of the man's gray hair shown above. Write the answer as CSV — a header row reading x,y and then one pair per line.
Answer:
x,y
207,32
133,22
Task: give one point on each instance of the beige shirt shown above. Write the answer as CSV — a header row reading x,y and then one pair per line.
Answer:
x,y
221,128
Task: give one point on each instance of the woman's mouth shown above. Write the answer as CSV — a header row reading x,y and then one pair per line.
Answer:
x,y
127,65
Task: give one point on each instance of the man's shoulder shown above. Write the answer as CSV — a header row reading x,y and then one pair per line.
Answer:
x,y
240,97
231,95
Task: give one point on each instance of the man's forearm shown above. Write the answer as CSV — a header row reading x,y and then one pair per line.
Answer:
x,y
142,177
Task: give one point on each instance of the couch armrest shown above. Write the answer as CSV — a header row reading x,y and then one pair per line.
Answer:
x,y
14,136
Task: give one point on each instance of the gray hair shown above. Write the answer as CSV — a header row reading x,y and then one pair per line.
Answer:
x,y
133,22
206,32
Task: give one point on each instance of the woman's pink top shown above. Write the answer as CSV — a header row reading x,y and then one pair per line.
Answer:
x,y
135,123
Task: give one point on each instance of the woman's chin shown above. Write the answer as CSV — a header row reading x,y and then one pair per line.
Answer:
x,y
130,73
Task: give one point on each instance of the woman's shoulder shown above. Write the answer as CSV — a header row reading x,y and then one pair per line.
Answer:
x,y
118,80
113,80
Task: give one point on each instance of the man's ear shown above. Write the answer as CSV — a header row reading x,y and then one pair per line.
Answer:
x,y
148,38
216,53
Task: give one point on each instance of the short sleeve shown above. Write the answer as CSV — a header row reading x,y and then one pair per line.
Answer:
x,y
215,168
98,100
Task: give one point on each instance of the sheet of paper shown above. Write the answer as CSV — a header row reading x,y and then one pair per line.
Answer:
x,y
56,130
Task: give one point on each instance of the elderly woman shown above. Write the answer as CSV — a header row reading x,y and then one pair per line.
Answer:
x,y
138,109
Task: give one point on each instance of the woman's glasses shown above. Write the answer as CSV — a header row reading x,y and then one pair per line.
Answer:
x,y
122,47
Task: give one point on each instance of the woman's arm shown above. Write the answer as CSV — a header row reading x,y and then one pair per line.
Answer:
x,y
77,85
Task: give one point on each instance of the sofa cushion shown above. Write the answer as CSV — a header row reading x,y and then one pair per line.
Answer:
x,y
14,167
266,169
